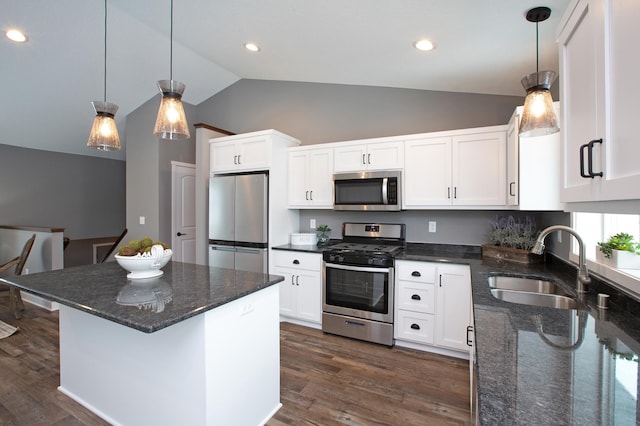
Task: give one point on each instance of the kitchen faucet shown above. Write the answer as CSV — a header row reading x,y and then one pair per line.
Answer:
x,y
583,273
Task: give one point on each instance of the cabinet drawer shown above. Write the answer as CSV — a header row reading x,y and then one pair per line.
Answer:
x,y
416,297
415,327
424,272
298,260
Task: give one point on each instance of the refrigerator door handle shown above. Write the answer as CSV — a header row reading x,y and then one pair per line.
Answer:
x,y
223,248
249,250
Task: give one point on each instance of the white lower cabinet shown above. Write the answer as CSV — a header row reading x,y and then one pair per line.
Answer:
x,y
433,306
301,290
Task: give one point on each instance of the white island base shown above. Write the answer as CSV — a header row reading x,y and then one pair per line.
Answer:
x,y
221,367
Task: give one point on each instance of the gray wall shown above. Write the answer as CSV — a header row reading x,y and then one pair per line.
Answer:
x,y
452,226
84,195
317,113
149,172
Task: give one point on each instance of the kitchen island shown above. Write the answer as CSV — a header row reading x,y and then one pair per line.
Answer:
x,y
195,346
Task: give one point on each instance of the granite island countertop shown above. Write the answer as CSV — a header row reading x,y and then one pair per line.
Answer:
x,y
186,290
547,366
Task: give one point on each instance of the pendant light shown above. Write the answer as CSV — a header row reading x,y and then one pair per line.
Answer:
x,y
171,122
538,116
104,133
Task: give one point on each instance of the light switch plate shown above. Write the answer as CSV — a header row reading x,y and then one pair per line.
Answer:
x,y
312,223
432,226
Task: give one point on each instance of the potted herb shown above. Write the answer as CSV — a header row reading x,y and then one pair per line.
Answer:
x,y
512,238
619,251
323,234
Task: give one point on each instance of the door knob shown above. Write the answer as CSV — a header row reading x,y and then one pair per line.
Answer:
x,y
180,234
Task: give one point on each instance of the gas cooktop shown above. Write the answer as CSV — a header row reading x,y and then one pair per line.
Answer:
x,y
367,244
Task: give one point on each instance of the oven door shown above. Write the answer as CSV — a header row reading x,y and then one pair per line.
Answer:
x,y
360,292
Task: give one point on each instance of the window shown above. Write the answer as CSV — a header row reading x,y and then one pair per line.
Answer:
x,y
596,227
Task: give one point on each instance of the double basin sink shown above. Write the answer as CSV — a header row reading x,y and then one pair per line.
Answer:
x,y
531,291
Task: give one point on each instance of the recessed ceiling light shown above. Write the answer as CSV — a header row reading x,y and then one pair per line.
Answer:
x,y
424,45
252,47
16,35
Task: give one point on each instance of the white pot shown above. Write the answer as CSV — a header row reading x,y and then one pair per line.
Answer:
x,y
625,260
619,259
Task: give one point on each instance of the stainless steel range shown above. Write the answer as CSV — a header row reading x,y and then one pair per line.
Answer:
x,y
357,290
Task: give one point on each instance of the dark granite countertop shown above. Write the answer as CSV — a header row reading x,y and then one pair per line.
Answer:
x,y
183,291
547,366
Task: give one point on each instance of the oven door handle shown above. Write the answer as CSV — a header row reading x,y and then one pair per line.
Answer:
x,y
357,268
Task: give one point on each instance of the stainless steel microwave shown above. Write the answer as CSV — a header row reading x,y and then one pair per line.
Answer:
x,y
367,191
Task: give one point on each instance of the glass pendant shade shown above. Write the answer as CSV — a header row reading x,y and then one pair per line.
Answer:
x,y
538,115
104,134
171,122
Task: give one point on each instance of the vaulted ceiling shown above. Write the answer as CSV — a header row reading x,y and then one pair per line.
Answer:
x,y
482,46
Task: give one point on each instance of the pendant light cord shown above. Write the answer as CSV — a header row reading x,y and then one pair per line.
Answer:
x,y
537,50
171,45
105,51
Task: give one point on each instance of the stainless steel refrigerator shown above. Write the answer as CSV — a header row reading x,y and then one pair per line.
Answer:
x,y
238,221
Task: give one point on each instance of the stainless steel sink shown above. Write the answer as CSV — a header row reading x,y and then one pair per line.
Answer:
x,y
536,299
532,285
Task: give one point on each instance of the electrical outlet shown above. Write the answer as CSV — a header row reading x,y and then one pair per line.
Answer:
x,y
142,220
432,226
312,223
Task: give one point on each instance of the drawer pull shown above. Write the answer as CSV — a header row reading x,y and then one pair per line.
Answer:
x,y
415,297
415,274
415,326
296,262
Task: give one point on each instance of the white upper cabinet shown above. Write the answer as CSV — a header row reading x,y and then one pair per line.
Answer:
x,y
427,172
533,168
241,153
464,169
598,92
310,178
355,157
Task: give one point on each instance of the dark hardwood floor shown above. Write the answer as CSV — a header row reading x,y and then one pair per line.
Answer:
x,y
331,380
326,380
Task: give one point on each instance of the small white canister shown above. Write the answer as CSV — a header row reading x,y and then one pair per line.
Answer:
x,y
304,239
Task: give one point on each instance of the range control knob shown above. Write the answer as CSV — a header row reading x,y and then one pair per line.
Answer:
x,y
340,258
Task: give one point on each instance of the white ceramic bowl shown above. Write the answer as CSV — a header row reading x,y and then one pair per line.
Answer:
x,y
145,266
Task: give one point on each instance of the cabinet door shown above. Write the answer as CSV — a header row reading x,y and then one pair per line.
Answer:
x,y
427,172
350,158
253,153
385,156
622,68
479,169
309,299
298,194
288,292
580,44
320,177
453,312
513,142
223,156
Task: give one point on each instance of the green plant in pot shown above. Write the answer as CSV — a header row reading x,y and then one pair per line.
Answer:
x,y
620,241
323,234
512,238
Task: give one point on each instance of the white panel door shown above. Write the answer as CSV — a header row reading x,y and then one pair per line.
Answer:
x,y
427,172
480,169
453,306
183,196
